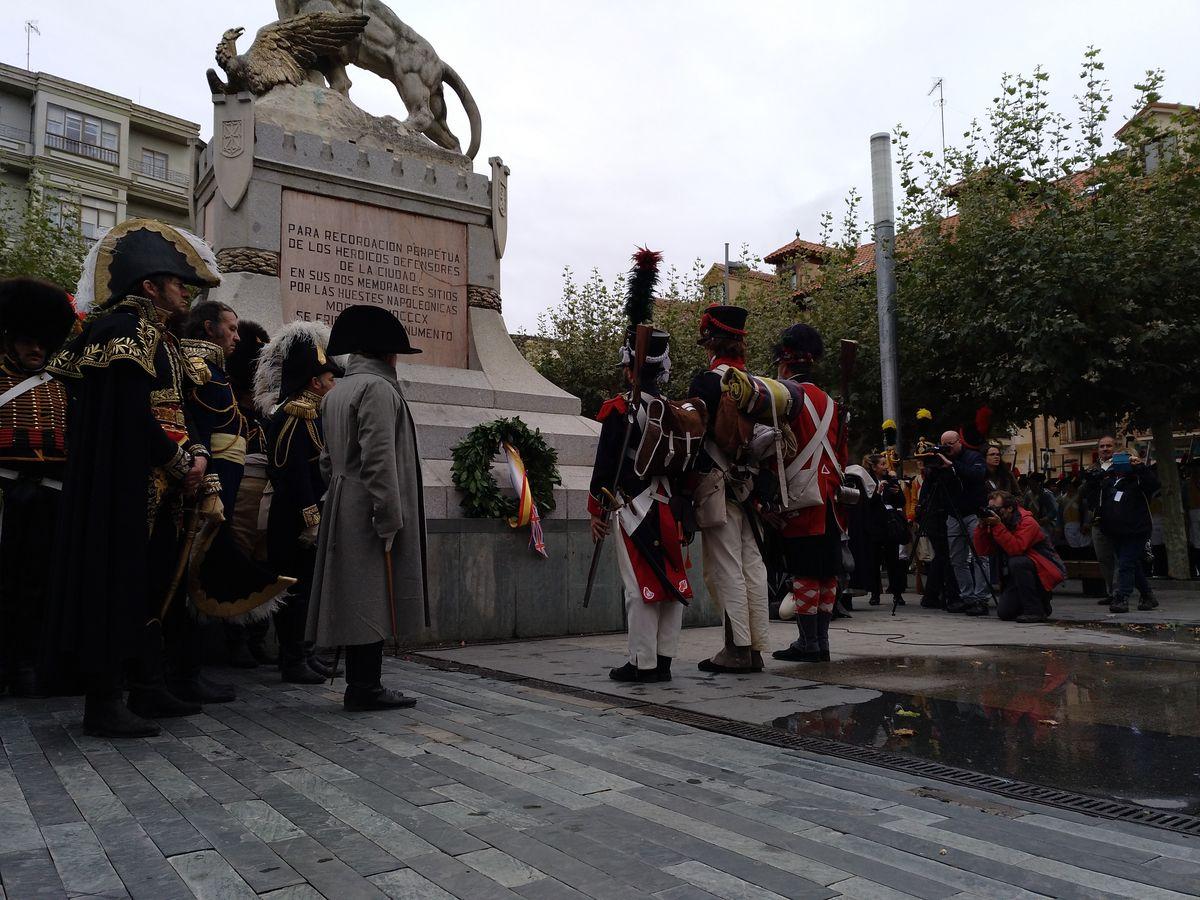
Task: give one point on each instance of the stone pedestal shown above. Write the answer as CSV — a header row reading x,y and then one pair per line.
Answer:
x,y
326,223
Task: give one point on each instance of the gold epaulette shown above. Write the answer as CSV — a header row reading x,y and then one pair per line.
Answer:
x,y
205,351
138,347
302,407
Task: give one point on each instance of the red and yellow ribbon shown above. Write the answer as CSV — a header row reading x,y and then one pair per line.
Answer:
x,y
527,513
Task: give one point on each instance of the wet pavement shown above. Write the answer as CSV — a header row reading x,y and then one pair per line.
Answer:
x,y
1093,723
1103,708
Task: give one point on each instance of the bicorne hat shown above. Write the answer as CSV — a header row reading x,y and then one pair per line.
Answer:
x,y
723,321
799,344
138,249
295,355
368,329
35,309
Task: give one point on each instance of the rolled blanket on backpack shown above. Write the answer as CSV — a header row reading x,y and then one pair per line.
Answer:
x,y
754,395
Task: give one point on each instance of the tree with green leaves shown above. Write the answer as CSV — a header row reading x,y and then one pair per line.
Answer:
x,y
1067,280
37,240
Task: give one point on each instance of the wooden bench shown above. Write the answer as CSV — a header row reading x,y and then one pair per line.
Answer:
x,y
1087,571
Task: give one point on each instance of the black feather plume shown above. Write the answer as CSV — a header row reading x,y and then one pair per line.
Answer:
x,y
643,278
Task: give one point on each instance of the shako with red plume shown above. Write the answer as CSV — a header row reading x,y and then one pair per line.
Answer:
x,y
639,310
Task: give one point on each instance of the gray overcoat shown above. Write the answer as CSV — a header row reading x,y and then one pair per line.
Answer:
x,y
373,467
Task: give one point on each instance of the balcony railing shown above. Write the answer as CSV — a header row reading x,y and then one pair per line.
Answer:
x,y
159,173
79,148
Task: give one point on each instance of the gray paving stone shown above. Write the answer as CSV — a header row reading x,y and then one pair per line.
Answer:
x,y
862,889
82,864
577,874
458,879
252,859
501,868
47,799
18,829
720,884
324,871
622,866
687,892
297,892
29,874
549,889
210,877
144,872
405,884
263,820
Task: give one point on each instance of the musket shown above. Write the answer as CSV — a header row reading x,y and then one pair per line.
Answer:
x,y
641,342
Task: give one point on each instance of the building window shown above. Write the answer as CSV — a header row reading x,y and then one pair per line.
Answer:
x,y
93,223
154,164
795,280
82,135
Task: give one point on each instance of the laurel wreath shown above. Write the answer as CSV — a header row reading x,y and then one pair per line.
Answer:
x,y
472,469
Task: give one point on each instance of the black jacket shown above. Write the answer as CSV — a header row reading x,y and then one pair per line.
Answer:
x,y
1125,501
971,469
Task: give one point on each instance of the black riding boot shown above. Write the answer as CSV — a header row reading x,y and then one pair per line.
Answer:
x,y
148,693
104,715
823,620
364,686
293,656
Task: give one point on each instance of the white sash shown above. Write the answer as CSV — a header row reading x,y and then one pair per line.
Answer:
x,y
24,387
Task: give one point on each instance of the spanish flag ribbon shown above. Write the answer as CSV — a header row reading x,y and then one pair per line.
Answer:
x,y
527,513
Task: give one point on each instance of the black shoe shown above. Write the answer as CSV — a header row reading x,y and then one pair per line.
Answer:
x,y
108,717
956,606
898,600
977,609
630,672
1104,601
1119,605
823,653
365,699
874,601
200,690
664,668
156,702
791,654
932,603
756,661
839,611
300,672
1030,618
1147,603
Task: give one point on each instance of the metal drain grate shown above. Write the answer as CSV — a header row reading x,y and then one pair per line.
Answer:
x,y
1021,790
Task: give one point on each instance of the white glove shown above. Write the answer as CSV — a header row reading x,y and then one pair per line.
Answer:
x,y
308,537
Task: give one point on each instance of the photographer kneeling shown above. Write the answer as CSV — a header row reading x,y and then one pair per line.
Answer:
x,y
1030,568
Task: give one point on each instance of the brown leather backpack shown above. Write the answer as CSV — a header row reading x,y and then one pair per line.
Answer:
x,y
672,437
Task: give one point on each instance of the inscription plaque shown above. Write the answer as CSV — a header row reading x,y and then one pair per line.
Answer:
x,y
337,253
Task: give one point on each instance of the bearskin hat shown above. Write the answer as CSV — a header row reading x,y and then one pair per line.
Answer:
x,y
295,355
36,309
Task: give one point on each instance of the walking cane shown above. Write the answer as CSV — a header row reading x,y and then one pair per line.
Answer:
x,y
391,592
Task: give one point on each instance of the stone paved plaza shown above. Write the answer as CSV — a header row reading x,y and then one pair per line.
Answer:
x,y
494,789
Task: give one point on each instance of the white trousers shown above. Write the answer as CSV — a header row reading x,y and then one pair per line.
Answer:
x,y
736,578
653,627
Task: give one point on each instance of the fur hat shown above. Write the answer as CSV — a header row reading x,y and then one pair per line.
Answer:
x,y
368,329
799,344
35,309
295,354
138,249
241,363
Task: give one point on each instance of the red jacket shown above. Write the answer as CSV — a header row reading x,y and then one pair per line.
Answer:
x,y
811,521
1018,542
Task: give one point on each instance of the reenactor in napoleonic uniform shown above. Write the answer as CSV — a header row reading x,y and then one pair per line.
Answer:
x,y
293,376
734,571
133,466
35,320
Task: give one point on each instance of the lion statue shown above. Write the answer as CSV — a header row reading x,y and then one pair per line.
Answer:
x,y
395,52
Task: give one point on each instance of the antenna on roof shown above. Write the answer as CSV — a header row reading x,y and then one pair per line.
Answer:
x,y
937,86
31,28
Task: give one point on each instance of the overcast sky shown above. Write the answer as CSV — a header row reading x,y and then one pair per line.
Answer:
x,y
679,125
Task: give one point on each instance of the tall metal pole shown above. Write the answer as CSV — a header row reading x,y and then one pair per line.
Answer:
x,y
725,299
885,280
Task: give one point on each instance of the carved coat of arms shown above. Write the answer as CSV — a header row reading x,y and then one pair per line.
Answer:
x,y
233,139
499,204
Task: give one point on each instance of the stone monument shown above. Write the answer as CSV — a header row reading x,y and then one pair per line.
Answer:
x,y
312,205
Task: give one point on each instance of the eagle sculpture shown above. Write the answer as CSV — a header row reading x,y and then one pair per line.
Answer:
x,y
283,52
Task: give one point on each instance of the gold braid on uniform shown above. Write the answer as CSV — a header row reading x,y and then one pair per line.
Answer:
x,y
301,407
140,348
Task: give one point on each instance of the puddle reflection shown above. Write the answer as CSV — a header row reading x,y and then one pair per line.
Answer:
x,y
1096,724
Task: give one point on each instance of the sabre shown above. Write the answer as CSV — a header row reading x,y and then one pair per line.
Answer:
x,y
184,554
641,343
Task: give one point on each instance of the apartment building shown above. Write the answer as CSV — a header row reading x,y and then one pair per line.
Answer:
x,y
106,157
